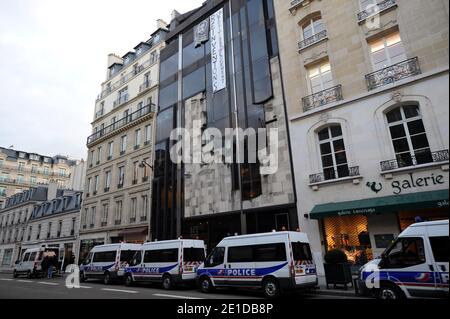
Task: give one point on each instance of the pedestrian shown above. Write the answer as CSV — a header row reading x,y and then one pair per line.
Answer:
x,y
52,265
44,265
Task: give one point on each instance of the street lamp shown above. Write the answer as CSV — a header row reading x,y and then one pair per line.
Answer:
x,y
144,164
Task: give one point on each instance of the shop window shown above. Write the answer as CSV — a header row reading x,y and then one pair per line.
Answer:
x,y
409,137
406,252
333,153
350,234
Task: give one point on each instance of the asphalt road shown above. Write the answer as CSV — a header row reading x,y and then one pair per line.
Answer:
x,y
22,288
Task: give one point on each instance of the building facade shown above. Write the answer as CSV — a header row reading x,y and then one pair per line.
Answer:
x,y
43,215
117,194
367,94
20,171
220,69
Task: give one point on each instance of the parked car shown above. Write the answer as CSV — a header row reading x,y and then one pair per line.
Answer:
x,y
415,266
274,262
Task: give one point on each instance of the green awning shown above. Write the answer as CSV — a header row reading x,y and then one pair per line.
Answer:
x,y
389,204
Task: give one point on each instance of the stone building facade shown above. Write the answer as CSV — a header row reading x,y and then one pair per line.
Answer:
x,y
117,193
367,94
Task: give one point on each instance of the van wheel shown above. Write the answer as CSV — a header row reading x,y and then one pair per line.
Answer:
x,y
107,278
167,282
129,280
206,285
83,277
15,274
29,274
390,292
271,288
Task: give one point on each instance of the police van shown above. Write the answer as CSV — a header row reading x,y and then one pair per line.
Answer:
x,y
105,261
30,264
168,262
274,262
416,265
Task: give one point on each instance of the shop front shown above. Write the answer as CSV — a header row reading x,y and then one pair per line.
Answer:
x,y
363,229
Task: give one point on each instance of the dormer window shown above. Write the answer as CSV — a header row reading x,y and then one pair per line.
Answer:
x,y
22,155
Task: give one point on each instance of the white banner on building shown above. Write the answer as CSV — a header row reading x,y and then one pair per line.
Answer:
x,y
219,74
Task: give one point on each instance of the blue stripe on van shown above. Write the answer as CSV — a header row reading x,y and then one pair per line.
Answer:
x,y
96,268
241,272
149,270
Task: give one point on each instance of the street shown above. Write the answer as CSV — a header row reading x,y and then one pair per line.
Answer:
x,y
22,288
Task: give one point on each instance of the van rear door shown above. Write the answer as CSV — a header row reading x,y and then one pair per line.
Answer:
x,y
192,258
303,260
440,248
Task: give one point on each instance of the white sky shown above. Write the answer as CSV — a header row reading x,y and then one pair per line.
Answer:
x,y
53,57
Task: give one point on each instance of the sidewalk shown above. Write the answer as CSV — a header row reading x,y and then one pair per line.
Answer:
x,y
6,270
339,291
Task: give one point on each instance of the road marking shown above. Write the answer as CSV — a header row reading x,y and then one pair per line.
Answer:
x,y
5,279
175,296
85,287
120,290
27,281
48,283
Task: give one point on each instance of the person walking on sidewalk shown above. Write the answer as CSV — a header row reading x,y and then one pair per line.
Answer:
x,y
53,263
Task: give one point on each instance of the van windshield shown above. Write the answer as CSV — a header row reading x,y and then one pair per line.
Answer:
x,y
193,254
127,255
302,252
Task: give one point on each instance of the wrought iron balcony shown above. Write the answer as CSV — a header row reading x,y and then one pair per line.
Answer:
x,y
313,40
121,100
144,86
377,8
330,175
297,3
393,73
322,98
144,111
408,160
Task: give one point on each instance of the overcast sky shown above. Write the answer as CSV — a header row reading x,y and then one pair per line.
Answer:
x,y
53,57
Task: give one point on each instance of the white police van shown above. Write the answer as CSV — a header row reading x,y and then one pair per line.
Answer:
x,y
30,264
415,266
169,262
105,261
275,262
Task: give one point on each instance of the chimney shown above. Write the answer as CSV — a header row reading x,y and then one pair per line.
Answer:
x,y
161,24
174,15
52,190
113,58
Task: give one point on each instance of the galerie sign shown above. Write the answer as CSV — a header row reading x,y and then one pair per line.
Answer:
x,y
412,182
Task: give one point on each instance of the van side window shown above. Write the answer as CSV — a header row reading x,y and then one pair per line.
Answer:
x,y
33,256
26,257
105,257
271,252
161,256
216,258
136,259
241,254
441,248
302,252
406,252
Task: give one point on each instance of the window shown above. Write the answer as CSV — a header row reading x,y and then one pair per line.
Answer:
x,y
320,77
133,209
99,155
26,257
59,229
216,257
33,180
127,255
135,172
301,252
144,207
193,254
34,168
105,213
409,137
107,180
72,230
387,51
110,150
93,217
92,158
333,153
240,254
313,27
137,138
88,185
406,252
38,236
146,173
46,170
137,259
96,181
118,211
123,144
148,134
105,257
441,247
121,176
49,230
84,217
161,256
21,167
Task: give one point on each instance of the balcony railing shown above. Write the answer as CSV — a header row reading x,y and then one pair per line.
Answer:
x,y
313,40
408,160
377,8
393,73
121,100
144,86
322,98
334,175
144,111
100,113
